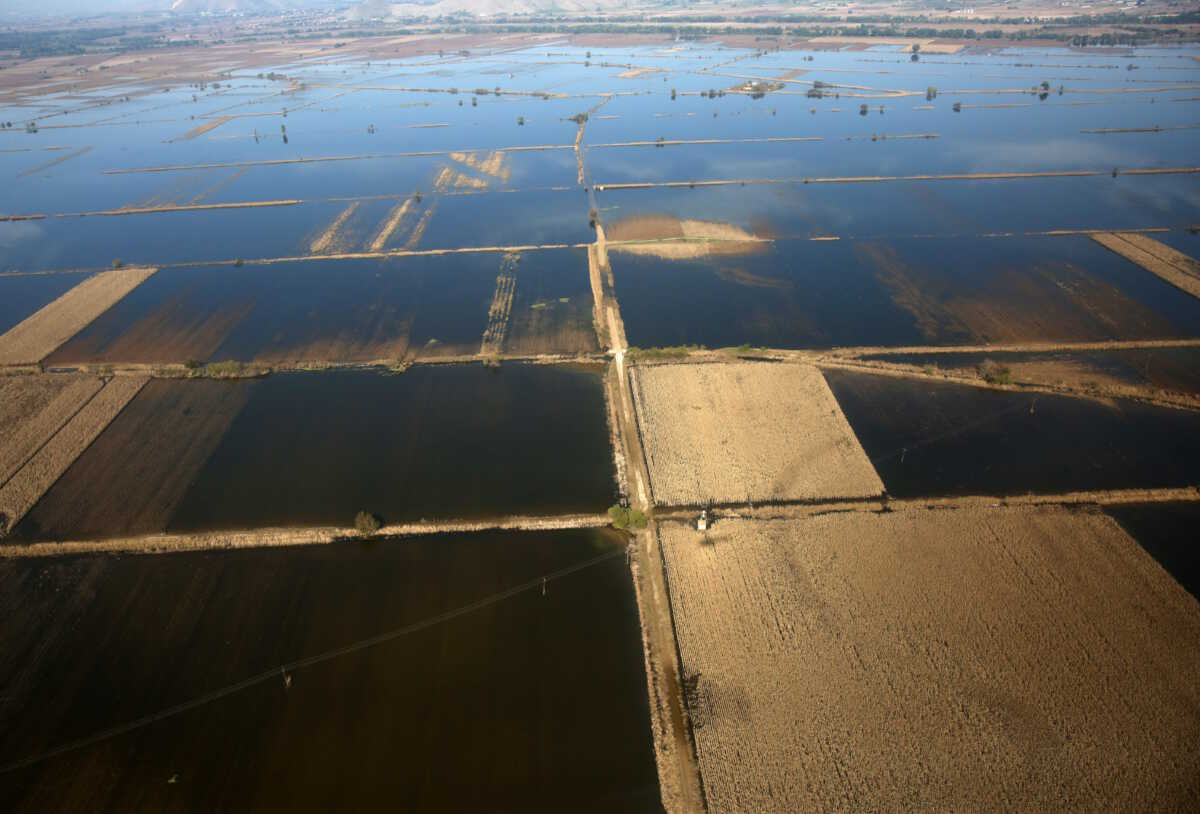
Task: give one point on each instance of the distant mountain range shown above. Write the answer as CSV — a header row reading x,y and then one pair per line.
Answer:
x,y
372,9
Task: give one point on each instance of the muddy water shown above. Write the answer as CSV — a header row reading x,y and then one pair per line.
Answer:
x,y
928,438
461,441
535,701
1168,533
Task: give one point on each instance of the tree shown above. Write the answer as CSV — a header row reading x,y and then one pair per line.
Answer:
x,y
521,120
366,523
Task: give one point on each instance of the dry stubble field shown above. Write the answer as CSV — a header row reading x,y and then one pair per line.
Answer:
x,y
727,433
954,660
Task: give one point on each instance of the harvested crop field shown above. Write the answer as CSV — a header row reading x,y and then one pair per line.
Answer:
x,y
39,335
1175,267
32,409
516,700
39,472
730,433
936,660
133,477
674,239
928,438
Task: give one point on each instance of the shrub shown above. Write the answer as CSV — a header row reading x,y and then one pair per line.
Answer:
x,y
623,518
994,373
366,523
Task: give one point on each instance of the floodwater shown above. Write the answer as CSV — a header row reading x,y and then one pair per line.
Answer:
x,y
932,438
21,296
488,141
304,449
522,701
1168,533
903,291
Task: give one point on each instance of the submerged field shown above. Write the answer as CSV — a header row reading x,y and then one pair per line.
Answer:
x,y
526,700
930,438
204,455
258,295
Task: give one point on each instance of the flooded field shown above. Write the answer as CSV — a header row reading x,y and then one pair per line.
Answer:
x,y
525,700
928,438
21,296
1165,369
799,293
1168,533
205,455
283,289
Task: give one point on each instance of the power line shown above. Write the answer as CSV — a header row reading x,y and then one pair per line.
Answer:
x,y
309,661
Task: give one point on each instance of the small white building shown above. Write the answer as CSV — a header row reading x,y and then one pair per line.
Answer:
x,y
702,521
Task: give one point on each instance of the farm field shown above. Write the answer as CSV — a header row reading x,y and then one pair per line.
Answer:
x,y
791,293
1170,372
930,438
733,433
412,721
202,455
935,659
1166,531
362,383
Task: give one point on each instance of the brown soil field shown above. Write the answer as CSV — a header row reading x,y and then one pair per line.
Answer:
x,y
731,433
634,73
450,179
674,239
32,409
40,334
390,225
954,660
1175,267
149,454
418,231
326,238
200,130
51,460
494,163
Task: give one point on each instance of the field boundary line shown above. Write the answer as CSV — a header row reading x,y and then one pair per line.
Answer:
x,y
783,510
274,537
874,179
